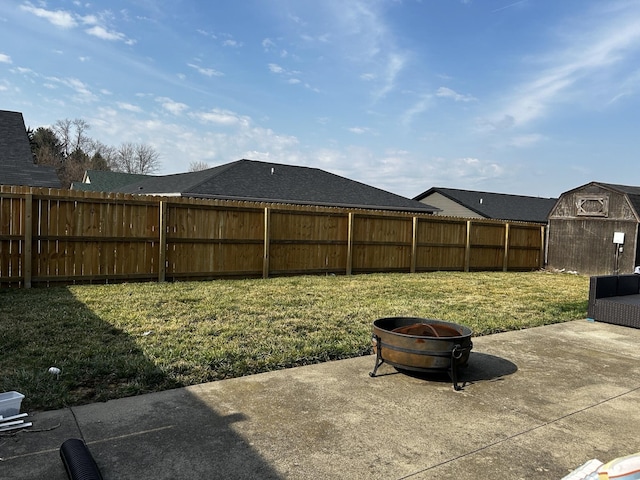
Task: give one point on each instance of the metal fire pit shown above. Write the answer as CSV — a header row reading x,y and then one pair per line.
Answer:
x,y
421,345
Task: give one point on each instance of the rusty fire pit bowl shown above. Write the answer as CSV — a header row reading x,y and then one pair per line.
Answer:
x,y
421,345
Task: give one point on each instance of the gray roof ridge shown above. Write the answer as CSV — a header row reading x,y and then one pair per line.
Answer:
x,y
490,193
443,191
213,172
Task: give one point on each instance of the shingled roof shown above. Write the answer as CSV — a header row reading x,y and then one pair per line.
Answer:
x,y
106,180
252,180
16,159
497,206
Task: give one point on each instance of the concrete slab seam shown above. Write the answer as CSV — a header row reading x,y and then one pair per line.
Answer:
x,y
524,432
128,435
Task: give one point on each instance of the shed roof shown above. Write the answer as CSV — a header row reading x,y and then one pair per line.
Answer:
x,y
252,180
632,192
16,159
499,206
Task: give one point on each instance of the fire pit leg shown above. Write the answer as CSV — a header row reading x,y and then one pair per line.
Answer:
x,y
456,353
379,359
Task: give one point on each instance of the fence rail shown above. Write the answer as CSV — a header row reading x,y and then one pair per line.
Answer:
x,y
50,236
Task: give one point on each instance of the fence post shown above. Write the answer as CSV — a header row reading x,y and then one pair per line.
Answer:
x,y
27,250
543,246
162,254
414,245
467,248
267,234
349,243
505,260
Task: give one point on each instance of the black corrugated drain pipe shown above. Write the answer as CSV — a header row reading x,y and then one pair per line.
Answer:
x,y
78,461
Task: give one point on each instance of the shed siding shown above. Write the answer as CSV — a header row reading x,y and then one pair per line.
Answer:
x,y
581,228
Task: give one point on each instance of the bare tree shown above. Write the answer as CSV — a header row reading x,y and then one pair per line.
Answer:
x,y
137,158
198,166
72,135
107,153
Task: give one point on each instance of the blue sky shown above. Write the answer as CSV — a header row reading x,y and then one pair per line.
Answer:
x,y
531,97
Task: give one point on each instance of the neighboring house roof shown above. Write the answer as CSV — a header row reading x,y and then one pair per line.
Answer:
x,y
16,159
251,180
106,181
497,206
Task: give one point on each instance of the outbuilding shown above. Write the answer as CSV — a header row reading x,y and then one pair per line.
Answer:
x,y
593,230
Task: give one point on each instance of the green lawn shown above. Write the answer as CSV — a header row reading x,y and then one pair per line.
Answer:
x,y
112,341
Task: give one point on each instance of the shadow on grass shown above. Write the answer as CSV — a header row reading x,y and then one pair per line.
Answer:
x,y
172,433
51,328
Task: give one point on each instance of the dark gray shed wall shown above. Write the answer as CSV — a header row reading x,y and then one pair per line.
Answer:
x,y
581,228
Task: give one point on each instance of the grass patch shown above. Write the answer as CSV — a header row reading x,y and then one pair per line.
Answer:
x,y
119,340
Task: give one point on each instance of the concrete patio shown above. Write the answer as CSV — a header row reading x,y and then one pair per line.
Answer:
x,y
536,403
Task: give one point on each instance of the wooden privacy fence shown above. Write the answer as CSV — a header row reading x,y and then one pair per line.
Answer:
x,y
50,236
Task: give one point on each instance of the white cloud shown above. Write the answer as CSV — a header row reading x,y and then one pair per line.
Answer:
x,y
275,68
359,130
223,118
68,20
207,72
423,104
59,18
110,35
129,107
395,64
171,106
82,93
232,43
268,44
458,97
4,58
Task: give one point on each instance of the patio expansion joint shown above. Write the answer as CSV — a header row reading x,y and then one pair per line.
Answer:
x,y
523,432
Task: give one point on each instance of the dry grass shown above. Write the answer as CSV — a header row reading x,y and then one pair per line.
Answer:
x,y
117,340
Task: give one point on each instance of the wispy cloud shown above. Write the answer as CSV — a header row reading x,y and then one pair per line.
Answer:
x,y
445,92
291,75
172,106
510,5
81,91
129,107
359,34
111,35
394,65
59,18
421,105
4,58
230,42
67,20
224,118
601,45
268,44
207,72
